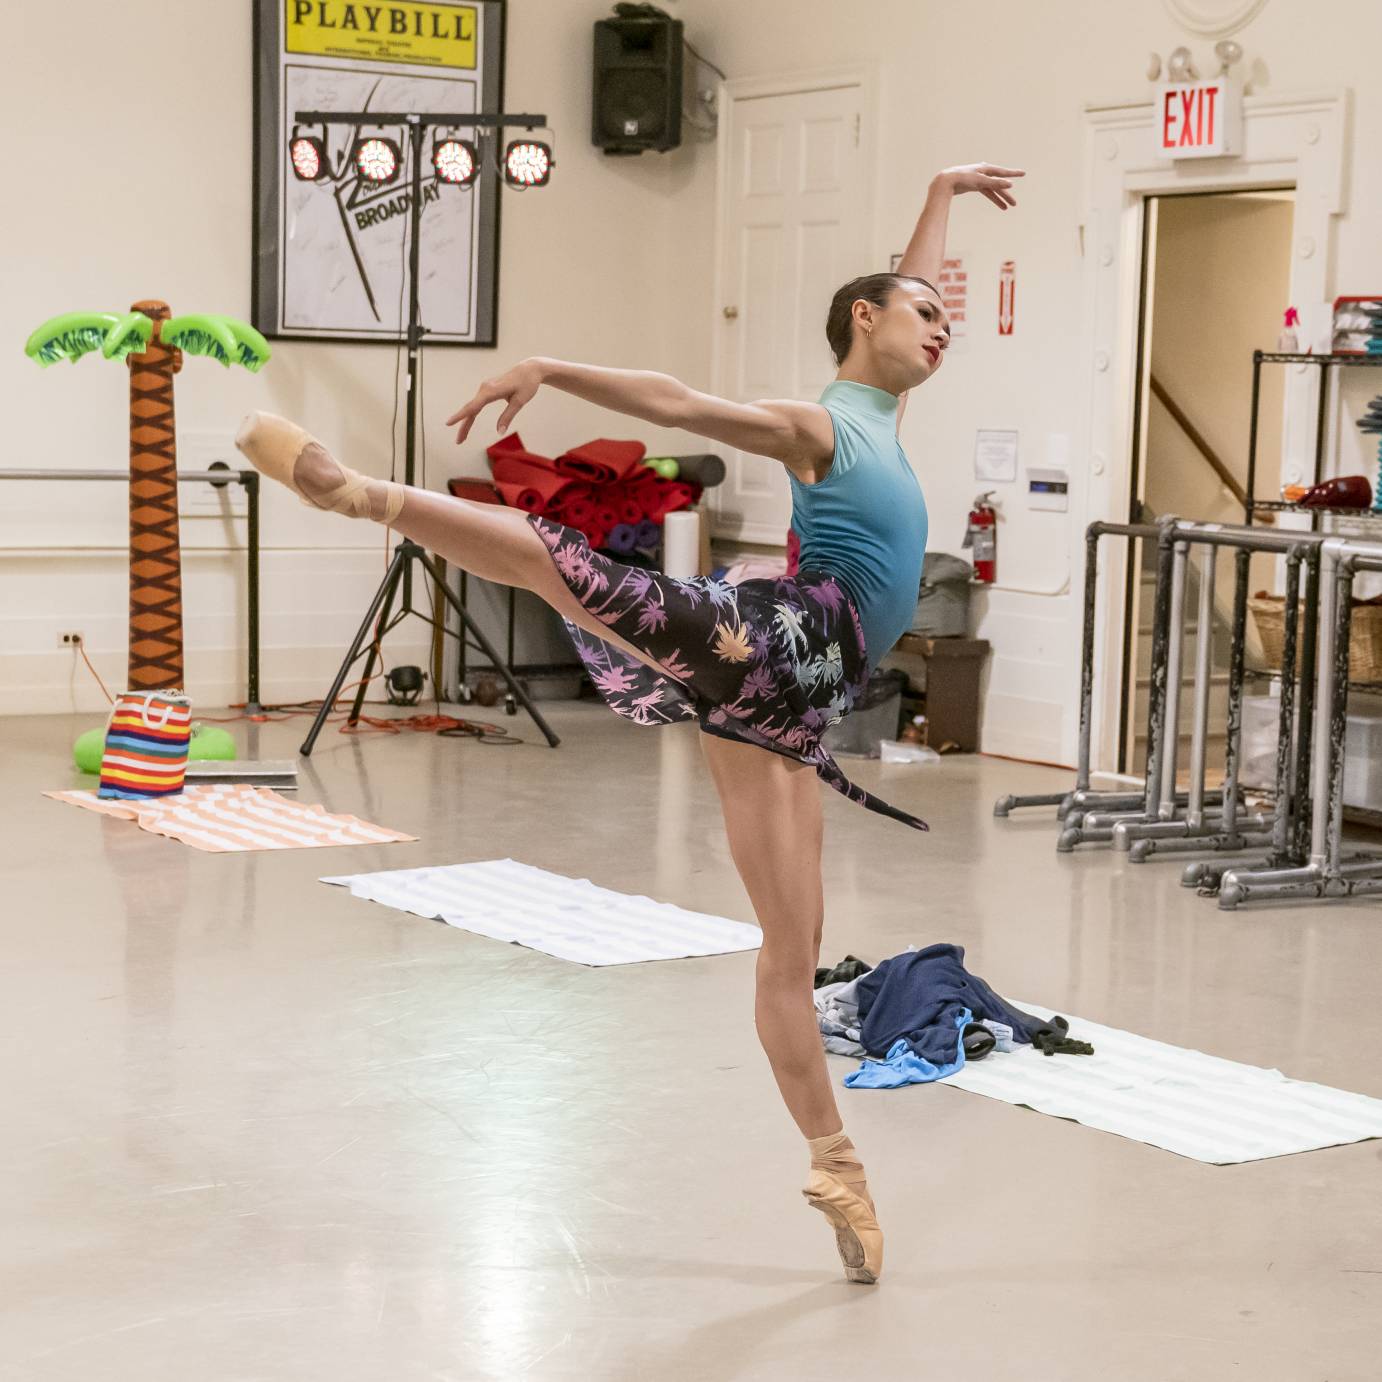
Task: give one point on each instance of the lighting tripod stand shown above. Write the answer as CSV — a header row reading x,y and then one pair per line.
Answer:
x,y
397,584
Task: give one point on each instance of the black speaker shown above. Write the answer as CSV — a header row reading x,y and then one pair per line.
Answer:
x,y
637,95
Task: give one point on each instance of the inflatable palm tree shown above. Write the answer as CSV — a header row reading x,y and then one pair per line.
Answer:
x,y
151,342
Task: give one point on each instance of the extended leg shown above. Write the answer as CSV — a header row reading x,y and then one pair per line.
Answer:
x,y
487,540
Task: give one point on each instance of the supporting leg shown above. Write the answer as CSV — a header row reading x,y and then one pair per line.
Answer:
x,y
772,811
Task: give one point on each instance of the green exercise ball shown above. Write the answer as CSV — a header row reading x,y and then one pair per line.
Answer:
x,y
210,742
87,751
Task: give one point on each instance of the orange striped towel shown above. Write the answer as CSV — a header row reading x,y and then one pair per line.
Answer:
x,y
226,818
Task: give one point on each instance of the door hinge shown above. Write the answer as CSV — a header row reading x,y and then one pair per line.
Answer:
x,y
856,129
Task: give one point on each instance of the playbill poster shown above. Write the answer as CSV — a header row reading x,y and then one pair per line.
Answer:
x,y
331,255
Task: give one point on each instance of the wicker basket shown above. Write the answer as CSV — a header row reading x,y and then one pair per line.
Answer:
x,y
1364,642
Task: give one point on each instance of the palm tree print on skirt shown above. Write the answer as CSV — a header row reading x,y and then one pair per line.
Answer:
x,y
769,662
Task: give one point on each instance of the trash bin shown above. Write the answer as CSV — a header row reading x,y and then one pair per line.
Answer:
x,y
954,667
943,600
877,715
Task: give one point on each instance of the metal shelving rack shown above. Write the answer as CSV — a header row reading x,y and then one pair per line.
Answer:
x,y
1326,363
1252,505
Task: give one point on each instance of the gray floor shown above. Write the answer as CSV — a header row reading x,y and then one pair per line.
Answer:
x,y
255,1128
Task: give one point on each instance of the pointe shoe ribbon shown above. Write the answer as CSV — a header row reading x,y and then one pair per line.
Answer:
x,y
273,445
857,1234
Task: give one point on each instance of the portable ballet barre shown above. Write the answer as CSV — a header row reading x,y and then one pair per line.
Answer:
x,y
1325,873
249,480
1161,828
1081,793
1071,806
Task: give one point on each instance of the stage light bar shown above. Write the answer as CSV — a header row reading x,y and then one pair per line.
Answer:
x,y
308,155
527,163
377,159
455,162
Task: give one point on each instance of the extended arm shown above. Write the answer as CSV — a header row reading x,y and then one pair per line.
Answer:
x,y
797,434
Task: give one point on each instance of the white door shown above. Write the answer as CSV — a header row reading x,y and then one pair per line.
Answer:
x,y
793,227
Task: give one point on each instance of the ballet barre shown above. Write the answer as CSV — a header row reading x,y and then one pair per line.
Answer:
x,y
219,477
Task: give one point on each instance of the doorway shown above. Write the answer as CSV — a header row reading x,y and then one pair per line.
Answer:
x,y
1216,271
792,226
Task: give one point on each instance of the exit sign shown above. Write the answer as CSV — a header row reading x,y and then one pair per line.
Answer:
x,y
1199,119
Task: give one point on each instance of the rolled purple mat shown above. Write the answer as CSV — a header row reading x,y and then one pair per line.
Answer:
x,y
622,538
647,535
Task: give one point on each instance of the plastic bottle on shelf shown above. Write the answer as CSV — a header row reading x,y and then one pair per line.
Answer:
x,y
1288,343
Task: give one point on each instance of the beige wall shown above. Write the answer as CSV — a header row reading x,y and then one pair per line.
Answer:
x,y
135,121
614,264
1008,82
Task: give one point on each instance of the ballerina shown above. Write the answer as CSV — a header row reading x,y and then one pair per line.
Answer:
x,y
768,664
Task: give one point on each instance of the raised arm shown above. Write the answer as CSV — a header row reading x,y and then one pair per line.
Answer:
x,y
797,434
925,251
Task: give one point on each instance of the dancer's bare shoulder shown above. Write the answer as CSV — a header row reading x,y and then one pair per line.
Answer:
x,y
798,434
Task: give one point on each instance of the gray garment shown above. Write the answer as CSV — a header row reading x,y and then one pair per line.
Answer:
x,y
837,1016
1003,1034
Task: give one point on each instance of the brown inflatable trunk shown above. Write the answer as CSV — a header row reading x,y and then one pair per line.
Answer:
x,y
155,554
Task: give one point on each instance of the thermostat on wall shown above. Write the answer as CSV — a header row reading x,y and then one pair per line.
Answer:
x,y
1048,488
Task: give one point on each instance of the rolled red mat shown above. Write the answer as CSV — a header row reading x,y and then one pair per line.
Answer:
x,y
526,480
606,515
596,535
602,461
531,498
511,448
575,513
674,496
477,490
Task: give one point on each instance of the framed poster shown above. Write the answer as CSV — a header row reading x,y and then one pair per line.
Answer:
x,y
330,256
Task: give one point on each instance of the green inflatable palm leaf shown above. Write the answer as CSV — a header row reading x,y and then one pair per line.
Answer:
x,y
226,339
75,334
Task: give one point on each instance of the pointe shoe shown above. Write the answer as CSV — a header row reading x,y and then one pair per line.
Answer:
x,y
273,446
851,1214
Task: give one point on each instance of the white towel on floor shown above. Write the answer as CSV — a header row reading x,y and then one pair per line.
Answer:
x,y
570,918
1184,1101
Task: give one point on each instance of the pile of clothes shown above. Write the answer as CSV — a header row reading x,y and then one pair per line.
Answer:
x,y
602,488
921,1015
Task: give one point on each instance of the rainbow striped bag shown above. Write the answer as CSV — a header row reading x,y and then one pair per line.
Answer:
x,y
146,745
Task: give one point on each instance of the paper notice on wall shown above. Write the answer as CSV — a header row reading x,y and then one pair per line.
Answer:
x,y
953,283
995,455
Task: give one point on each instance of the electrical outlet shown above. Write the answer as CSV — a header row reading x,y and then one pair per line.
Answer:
x,y
69,639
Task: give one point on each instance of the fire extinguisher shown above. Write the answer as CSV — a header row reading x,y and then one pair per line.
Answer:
x,y
982,535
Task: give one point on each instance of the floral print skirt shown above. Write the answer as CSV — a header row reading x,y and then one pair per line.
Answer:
x,y
769,662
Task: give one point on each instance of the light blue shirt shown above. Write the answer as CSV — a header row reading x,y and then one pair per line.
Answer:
x,y
866,521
